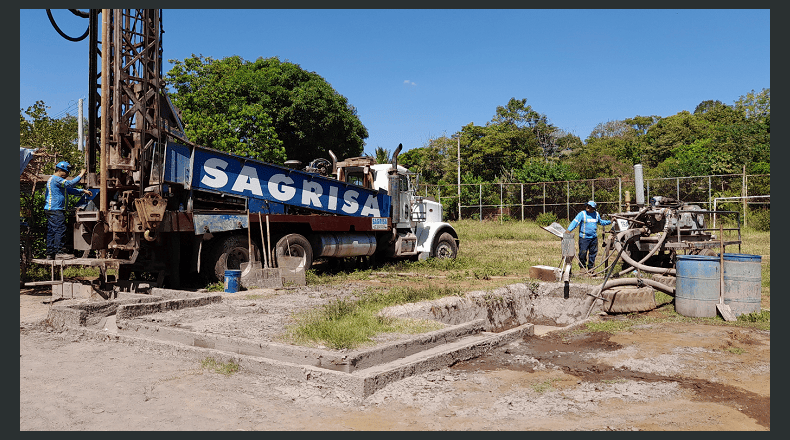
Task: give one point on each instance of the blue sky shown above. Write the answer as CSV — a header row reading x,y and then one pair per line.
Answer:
x,y
418,74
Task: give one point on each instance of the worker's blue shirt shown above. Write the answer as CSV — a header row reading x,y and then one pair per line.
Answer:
x,y
589,224
56,190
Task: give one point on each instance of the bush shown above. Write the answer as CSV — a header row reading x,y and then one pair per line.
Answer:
x,y
760,220
761,316
546,218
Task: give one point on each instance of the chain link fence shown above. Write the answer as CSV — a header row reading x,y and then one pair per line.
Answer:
x,y
522,201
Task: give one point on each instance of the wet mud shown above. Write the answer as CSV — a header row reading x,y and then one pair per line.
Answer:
x,y
569,352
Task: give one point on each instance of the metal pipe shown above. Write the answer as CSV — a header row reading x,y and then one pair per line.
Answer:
x,y
640,185
334,162
105,104
80,128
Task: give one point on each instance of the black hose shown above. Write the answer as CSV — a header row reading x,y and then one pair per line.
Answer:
x,y
55,25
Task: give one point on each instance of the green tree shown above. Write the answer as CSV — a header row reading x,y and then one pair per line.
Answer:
x,y
516,133
756,105
57,136
612,148
382,155
436,162
267,109
542,171
669,133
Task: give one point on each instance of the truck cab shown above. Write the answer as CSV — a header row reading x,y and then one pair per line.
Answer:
x,y
418,229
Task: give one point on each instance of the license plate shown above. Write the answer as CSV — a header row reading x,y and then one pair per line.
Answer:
x,y
379,223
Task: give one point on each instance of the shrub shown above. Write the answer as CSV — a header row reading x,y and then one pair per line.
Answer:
x,y
546,218
760,220
761,316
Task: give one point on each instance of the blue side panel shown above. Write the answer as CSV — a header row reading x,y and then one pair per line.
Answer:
x,y
177,169
218,222
260,183
265,206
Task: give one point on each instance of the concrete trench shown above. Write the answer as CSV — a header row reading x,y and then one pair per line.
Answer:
x,y
475,324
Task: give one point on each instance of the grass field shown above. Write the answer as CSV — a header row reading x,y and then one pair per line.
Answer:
x,y
491,254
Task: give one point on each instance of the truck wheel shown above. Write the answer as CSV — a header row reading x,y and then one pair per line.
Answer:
x,y
229,253
445,247
295,245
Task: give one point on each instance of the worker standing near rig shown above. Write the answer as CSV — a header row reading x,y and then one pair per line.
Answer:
x,y
589,219
55,209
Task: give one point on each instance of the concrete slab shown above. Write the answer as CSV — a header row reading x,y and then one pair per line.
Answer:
x,y
471,324
333,360
360,383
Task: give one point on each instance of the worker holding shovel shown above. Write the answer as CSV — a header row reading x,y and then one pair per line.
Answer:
x,y
588,221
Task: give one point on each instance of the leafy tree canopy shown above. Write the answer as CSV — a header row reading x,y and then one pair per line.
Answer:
x,y
266,109
58,136
436,162
382,155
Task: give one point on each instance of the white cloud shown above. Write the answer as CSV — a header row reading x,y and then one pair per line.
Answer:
x,y
409,83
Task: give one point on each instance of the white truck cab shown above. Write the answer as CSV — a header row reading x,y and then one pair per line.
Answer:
x,y
417,223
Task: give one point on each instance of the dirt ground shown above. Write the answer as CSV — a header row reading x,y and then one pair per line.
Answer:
x,y
685,377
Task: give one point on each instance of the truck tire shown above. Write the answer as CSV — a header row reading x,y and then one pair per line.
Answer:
x,y
445,247
295,245
228,254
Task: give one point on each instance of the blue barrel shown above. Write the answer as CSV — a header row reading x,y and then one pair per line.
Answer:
x,y
697,285
232,278
742,282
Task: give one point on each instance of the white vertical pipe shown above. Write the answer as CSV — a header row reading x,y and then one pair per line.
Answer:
x,y
640,185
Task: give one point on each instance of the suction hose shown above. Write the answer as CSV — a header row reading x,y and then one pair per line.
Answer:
x,y
643,267
661,239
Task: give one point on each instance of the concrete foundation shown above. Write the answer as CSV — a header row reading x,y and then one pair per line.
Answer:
x,y
476,323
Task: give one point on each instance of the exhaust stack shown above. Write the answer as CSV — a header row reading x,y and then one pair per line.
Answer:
x,y
639,182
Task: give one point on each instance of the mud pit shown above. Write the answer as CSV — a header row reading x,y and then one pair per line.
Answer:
x,y
669,377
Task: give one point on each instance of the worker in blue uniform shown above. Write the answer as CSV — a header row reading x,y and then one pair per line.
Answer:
x,y
55,209
588,221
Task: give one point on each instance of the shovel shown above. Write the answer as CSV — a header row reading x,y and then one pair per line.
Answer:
x,y
723,309
253,266
257,275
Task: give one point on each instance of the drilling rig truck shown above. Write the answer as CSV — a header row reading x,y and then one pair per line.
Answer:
x,y
196,217
166,207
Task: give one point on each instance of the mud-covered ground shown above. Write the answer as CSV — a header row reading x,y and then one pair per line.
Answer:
x,y
676,376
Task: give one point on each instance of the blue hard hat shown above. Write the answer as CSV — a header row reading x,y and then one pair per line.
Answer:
x,y
592,204
63,165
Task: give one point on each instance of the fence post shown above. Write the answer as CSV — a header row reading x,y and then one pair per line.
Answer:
x,y
522,202
744,194
593,189
709,195
500,202
544,197
647,183
677,188
568,200
459,198
619,194
480,201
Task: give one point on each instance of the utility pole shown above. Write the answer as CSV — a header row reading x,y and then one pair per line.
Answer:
x,y
80,128
459,176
